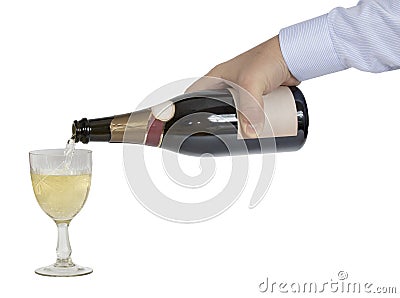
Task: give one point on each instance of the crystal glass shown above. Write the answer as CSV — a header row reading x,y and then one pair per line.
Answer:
x,y
61,186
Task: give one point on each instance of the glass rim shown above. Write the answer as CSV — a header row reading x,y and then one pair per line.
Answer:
x,y
58,152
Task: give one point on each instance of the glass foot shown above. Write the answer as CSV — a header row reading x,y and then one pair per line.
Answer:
x,y
74,270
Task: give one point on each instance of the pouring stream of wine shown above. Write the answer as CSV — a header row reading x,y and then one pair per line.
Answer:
x,y
69,152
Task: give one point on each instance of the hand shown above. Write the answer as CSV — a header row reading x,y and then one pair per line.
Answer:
x,y
253,74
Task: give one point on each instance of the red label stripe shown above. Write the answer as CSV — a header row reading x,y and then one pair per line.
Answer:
x,y
154,132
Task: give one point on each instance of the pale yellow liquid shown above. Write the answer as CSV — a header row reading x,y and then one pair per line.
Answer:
x,y
61,196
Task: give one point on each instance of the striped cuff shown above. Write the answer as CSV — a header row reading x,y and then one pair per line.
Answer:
x,y
308,49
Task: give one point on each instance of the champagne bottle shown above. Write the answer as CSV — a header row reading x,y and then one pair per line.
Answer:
x,y
204,122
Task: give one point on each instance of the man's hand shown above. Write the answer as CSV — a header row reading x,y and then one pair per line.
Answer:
x,y
258,71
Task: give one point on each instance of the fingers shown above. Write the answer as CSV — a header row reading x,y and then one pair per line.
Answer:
x,y
248,100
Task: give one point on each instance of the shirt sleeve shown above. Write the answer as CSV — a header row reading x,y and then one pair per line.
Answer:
x,y
366,37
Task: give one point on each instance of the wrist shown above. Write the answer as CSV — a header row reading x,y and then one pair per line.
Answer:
x,y
275,58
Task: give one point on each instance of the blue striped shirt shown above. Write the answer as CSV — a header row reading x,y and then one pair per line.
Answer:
x,y
366,37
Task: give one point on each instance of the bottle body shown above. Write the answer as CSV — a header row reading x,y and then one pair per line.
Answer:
x,y
202,122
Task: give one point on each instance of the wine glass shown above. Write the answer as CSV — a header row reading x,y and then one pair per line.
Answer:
x,y
61,186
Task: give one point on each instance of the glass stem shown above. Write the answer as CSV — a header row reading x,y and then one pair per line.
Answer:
x,y
63,247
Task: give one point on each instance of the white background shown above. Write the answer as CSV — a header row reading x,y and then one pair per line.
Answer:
x,y
332,206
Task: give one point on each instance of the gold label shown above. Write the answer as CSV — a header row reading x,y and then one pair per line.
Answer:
x,y
130,128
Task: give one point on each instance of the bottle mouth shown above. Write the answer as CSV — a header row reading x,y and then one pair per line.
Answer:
x,y
80,131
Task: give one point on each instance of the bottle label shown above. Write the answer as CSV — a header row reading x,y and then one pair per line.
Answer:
x,y
125,128
142,127
154,132
280,114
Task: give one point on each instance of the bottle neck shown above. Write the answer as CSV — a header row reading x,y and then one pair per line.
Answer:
x,y
94,130
131,128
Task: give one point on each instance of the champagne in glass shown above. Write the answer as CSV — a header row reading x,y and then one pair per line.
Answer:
x,y
61,182
61,196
